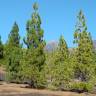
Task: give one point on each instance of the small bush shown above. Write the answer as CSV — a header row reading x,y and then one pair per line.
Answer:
x,y
81,87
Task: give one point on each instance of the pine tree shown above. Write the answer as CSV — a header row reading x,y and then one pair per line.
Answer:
x,y
35,48
63,49
14,38
84,53
1,49
34,31
60,72
13,52
63,71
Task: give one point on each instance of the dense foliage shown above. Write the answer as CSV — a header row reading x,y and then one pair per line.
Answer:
x,y
60,69
13,54
35,49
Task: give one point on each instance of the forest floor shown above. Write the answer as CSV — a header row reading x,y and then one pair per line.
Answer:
x,y
20,90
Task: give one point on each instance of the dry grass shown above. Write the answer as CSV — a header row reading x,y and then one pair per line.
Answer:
x,y
19,90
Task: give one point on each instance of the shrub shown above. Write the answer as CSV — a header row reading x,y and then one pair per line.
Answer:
x,y
82,87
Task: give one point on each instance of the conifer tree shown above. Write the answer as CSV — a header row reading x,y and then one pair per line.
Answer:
x,y
34,31
84,53
63,49
14,38
63,71
13,52
60,72
35,48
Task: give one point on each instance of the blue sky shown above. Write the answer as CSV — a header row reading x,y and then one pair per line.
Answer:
x,y
58,17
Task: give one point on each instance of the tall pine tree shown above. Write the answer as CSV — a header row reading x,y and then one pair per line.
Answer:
x,y
35,48
13,52
84,53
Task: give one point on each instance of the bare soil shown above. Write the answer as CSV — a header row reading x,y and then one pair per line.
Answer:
x,y
20,90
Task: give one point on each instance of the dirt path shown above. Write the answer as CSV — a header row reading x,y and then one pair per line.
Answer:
x,y
19,90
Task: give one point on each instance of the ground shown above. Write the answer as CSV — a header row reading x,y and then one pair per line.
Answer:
x,y
20,90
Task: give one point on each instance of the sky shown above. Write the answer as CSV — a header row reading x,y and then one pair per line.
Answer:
x,y
58,17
